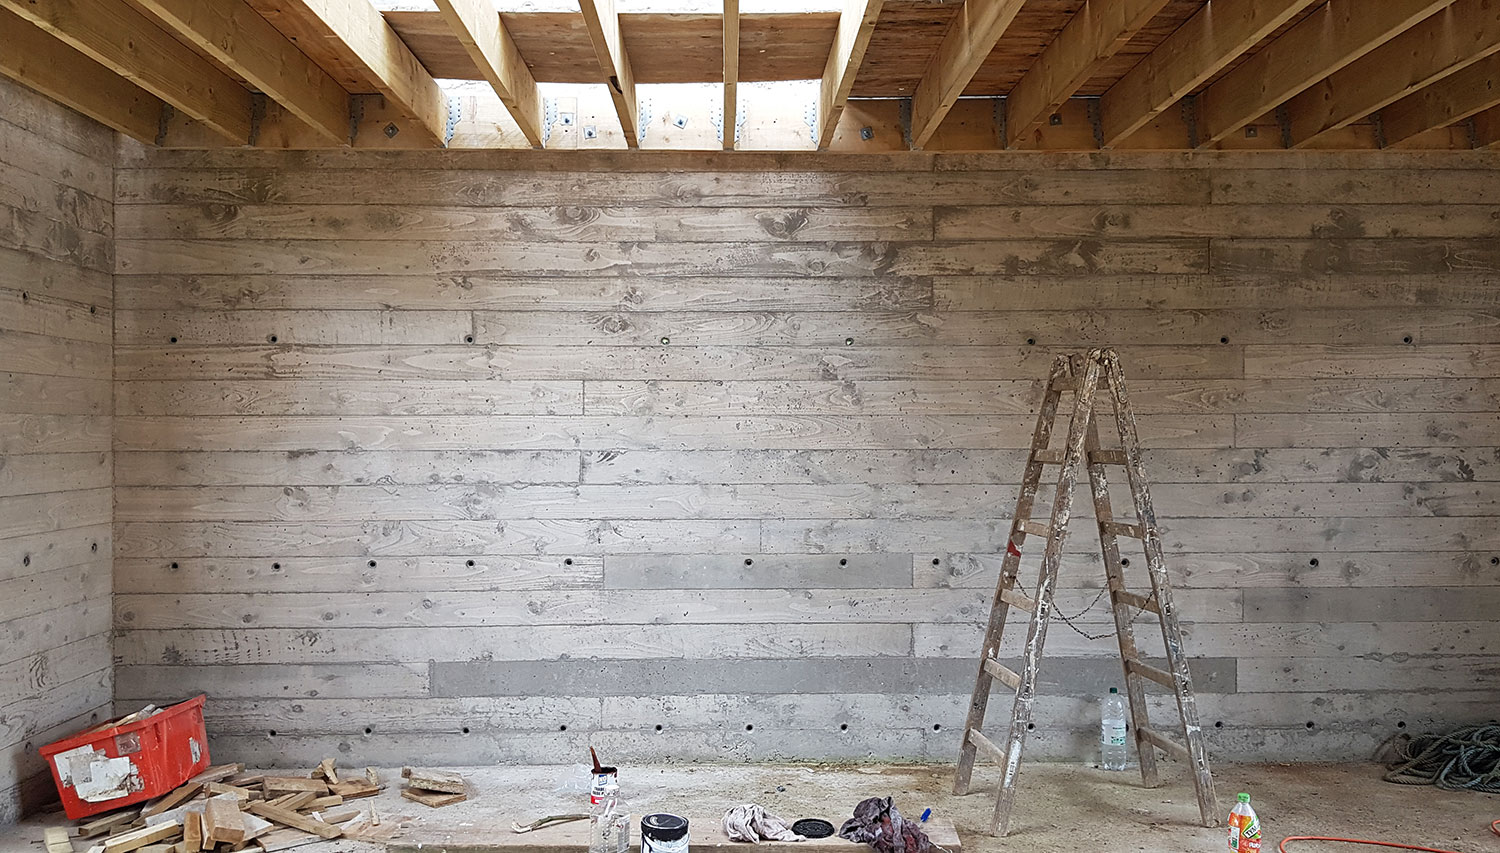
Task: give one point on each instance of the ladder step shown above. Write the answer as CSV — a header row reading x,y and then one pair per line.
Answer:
x,y
1160,676
1107,457
1171,746
1053,456
1035,528
1134,531
1005,674
1018,600
977,738
1138,601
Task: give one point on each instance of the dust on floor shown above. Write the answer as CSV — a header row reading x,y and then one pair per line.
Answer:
x,y
1060,807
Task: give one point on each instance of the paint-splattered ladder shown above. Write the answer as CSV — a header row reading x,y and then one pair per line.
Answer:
x,y
1083,376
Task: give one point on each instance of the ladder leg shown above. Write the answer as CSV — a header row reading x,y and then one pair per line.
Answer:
x,y
1062,510
1192,727
1010,566
1114,574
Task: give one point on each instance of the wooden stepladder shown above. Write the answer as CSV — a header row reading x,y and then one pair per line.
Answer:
x,y
1084,376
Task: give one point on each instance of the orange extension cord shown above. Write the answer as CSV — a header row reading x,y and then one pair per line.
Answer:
x,y
1495,826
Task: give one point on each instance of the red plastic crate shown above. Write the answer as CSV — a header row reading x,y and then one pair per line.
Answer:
x,y
109,767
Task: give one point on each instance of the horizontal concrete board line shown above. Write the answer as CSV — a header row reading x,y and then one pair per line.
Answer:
x,y
1068,676
440,502
565,361
49,669
389,644
421,573
563,538
1334,638
346,468
19,720
55,550
599,608
1425,604
1458,672
590,432
1179,536
1342,569
851,570
37,593
68,623
809,466
483,327
757,571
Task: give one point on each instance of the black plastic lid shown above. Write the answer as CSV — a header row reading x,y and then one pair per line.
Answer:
x,y
813,827
663,827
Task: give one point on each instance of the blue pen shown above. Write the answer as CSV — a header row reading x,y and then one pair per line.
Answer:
x,y
926,814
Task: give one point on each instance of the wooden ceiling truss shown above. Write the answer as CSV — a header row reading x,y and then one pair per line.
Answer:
x,y
873,75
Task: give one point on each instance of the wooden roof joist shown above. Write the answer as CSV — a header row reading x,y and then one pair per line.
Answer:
x,y
35,59
1329,39
113,34
1093,35
238,38
731,74
353,44
851,40
965,46
1456,97
1444,43
489,45
1212,39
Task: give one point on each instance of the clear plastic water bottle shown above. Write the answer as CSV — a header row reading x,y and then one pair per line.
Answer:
x,y
609,824
1244,827
1112,748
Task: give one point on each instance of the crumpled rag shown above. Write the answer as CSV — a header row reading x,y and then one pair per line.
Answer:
x,y
876,822
752,823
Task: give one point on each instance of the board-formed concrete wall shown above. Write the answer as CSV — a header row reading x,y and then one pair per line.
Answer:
x,y
56,256
480,457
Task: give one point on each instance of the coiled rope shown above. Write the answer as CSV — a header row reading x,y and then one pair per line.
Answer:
x,y
1465,759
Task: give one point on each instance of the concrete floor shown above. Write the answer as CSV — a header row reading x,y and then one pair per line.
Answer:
x,y
1060,807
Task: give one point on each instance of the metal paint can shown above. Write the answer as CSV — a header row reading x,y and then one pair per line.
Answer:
x,y
597,781
664,833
